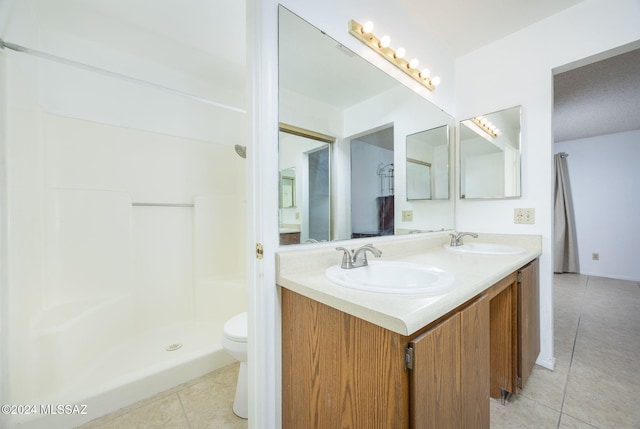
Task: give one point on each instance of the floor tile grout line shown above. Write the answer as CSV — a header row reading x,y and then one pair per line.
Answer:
x,y
184,411
573,350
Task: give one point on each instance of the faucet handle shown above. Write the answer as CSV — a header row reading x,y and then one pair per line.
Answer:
x,y
454,240
347,260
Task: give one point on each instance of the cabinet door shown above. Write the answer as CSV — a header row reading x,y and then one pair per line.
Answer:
x,y
450,378
435,379
503,336
528,320
310,363
339,371
475,368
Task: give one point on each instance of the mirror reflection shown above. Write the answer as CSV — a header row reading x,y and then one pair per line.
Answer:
x,y
364,116
428,164
305,176
372,184
287,188
490,155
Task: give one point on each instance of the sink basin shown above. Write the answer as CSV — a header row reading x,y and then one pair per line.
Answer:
x,y
393,278
487,249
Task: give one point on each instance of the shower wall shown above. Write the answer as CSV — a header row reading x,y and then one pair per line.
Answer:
x,y
88,272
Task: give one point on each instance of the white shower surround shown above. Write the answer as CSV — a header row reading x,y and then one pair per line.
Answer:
x,y
96,288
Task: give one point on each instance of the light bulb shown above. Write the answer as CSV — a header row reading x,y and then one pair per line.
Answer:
x,y
496,131
400,53
367,27
385,42
484,121
435,81
414,63
492,127
424,73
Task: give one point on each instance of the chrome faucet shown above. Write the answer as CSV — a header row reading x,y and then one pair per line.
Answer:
x,y
355,259
456,240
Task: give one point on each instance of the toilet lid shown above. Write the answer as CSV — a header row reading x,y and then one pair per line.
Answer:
x,y
236,328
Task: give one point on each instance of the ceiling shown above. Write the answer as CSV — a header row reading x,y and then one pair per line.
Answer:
x,y
597,99
581,108
463,26
185,36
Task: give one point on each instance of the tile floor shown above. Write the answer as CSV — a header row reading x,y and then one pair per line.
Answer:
x,y
596,382
203,403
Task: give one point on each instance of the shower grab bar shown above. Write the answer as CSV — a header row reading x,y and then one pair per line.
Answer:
x,y
161,205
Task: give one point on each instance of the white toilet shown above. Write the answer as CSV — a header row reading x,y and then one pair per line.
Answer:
x,y
234,342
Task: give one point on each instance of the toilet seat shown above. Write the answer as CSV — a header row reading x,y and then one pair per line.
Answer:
x,y
235,329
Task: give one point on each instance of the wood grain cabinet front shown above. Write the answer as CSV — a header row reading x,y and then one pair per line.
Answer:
x,y
528,320
449,381
515,330
340,371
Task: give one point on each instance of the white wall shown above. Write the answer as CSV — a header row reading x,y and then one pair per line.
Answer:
x,y
604,178
79,147
517,70
408,117
76,243
365,185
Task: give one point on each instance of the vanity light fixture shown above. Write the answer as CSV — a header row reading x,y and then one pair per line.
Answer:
x,y
381,46
486,126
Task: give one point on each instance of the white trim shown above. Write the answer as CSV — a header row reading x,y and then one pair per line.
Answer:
x,y
262,208
549,363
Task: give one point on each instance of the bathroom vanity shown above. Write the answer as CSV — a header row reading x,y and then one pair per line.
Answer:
x,y
369,360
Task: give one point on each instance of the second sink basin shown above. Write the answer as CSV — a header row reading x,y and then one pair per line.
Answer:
x,y
393,278
487,249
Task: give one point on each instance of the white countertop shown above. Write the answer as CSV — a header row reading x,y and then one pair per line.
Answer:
x,y
302,271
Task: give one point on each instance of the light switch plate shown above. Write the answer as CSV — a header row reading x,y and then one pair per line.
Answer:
x,y
407,215
524,216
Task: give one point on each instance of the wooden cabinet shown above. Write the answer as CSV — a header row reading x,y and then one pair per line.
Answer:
x,y
289,238
503,336
515,330
449,382
528,320
340,371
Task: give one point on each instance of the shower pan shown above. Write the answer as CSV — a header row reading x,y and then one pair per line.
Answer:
x,y
115,268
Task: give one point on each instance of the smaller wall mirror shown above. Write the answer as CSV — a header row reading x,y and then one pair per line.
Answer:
x,y
490,155
288,188
428,164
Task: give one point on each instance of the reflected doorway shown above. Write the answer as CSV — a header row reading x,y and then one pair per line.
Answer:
x,y
305,185
372,183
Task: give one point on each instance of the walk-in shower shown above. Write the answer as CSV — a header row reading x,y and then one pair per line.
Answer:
x,y
124,208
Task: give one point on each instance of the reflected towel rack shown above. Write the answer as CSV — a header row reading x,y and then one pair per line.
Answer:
x,y
161,205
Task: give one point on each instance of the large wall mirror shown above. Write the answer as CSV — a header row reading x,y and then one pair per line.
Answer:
x,y
490,155
366,118
428,164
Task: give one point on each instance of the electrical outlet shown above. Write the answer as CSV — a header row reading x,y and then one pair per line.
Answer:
x,y
297,215
595,256
407,215
524,216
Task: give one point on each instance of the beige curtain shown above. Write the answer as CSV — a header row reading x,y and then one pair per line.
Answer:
x,y
565,248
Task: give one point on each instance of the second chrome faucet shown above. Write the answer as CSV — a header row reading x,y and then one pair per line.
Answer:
x,y
357,258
